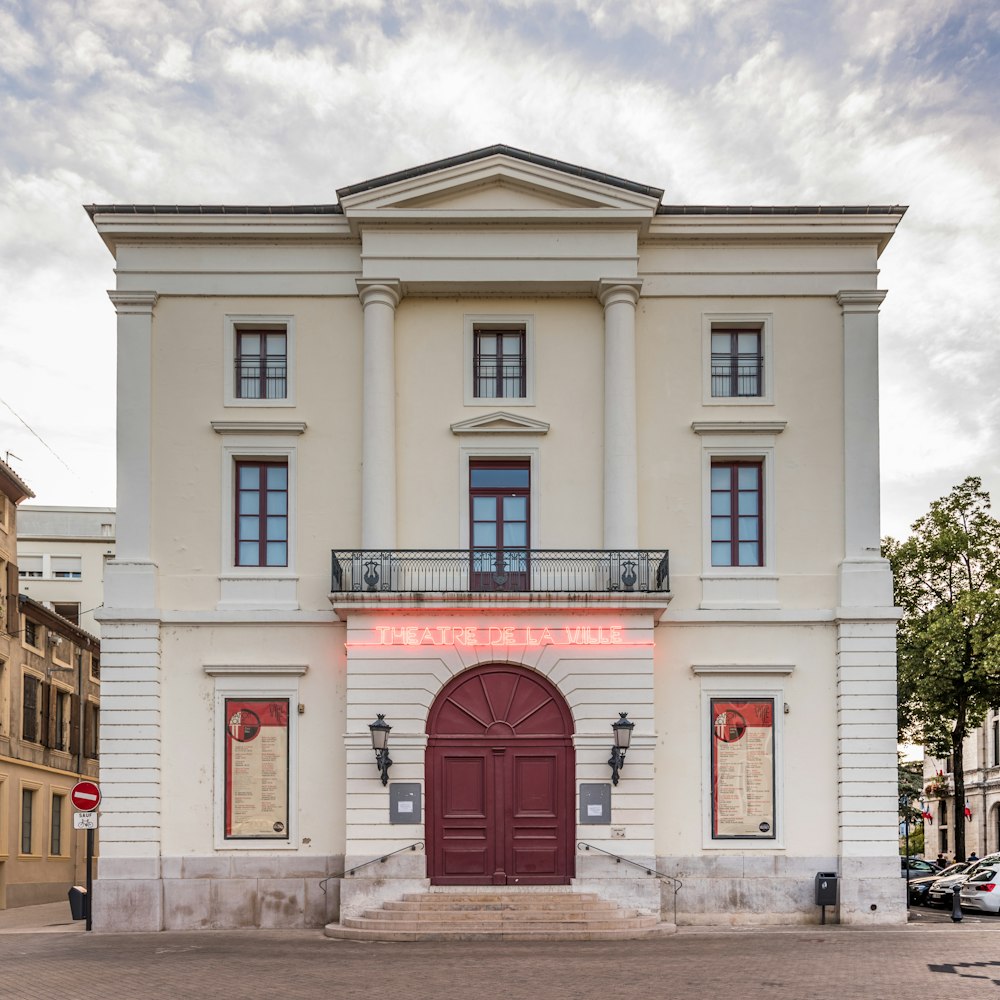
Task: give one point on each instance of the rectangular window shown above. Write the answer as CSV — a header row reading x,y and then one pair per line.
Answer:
x,y
500,501
737,521
31,634
743,768
499,363
31,704
27,817
67,567
261,514
60,740
91,744
29,566
261,364
737,362
256,768
996,742
55,828
70,610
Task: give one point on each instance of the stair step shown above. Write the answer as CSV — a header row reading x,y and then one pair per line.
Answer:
x,y
506,906
499,925
505,914
631,934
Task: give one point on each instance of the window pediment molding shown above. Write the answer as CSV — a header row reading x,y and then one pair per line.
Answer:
x,y
738,426
295,427
500,422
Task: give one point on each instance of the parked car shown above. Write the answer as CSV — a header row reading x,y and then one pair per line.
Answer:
x,y
918,868
939,892
981,890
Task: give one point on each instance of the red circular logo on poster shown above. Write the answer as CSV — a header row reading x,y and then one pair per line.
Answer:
x,y
244,725
730,726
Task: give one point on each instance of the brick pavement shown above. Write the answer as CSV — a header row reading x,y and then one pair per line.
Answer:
x,y
787,964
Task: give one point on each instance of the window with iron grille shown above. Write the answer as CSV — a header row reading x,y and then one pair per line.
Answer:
x,y
737,508
261,364
31,636
737,362
499,363
261,513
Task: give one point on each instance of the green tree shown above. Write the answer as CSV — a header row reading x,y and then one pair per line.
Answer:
x,y
947,581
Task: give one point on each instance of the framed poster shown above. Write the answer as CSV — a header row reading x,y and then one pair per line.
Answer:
x,y
742,738
256,768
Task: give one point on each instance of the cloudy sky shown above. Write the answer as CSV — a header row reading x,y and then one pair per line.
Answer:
x,y
716,101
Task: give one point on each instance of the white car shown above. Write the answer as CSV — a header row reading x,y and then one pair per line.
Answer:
x,y
939,893
981,890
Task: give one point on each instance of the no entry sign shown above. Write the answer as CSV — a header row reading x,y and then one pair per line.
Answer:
x,y
86,796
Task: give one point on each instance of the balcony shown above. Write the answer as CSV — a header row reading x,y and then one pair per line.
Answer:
x,y
498,572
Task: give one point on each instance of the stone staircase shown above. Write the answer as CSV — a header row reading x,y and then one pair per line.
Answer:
x,y
498,913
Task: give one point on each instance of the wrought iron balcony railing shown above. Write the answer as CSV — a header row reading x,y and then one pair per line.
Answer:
x,y
511,570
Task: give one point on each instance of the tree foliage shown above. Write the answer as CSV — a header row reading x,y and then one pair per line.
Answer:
x,y
947,581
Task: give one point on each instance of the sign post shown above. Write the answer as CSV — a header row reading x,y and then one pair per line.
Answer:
x,y
86,796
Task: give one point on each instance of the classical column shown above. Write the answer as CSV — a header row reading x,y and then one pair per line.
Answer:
x,y
865,579
621,464
378,415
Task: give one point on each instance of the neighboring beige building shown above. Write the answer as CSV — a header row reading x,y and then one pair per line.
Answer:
x,y
497,447
61,557
982,794
49,718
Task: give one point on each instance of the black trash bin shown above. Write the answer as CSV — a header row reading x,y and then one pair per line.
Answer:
x,y
78,902
826,888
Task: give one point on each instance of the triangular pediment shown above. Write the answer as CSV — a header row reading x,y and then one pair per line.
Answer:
x,y
498,181
500,422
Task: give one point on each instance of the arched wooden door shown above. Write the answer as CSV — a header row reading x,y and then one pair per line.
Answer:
x,y
500,781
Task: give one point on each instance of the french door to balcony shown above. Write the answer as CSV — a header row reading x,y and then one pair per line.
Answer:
x,y
500,502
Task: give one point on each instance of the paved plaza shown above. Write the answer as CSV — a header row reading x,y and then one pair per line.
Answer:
x,y
45,956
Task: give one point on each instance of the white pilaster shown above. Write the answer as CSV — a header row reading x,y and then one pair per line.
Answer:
x,y
865,580
378,433
621,467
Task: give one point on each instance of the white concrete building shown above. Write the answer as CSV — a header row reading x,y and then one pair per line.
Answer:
x,y
423,453
61,556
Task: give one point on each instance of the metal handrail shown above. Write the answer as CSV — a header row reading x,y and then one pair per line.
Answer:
x,y
677,883
381,859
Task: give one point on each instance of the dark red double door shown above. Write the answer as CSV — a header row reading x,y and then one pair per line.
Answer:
x,y
500,790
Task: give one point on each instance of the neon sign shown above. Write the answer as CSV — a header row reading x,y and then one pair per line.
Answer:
x,y
498,635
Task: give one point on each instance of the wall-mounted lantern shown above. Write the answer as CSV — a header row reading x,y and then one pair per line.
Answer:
x,y
380,744
623,736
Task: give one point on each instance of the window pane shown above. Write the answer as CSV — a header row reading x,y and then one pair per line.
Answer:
x,y
721,528
720,477
484,561
721,503
277,477
249,502
748,477
721,554
747,502
720,343
748,529
484,508
277,554
487,343
275,345
515,534
484,533
515,560
515,508
748,343
249,477
249,554
499,478
249,529
512,344
277,503
749,553
277,529
250,343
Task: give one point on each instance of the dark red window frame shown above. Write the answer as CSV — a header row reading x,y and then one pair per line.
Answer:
x,y
737,374
501,565
505,373
269,525
258,374
744,526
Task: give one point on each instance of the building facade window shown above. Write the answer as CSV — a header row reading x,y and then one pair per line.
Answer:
x,y
499,498
70,610
67,567
996,742
31,704
27,819
56,825
737,362
91,743
63,703
32,634
500,363
29,567
261,514
737,513
261,364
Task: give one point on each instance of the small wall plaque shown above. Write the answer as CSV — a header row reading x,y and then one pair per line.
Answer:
x,y
595,803
404,802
